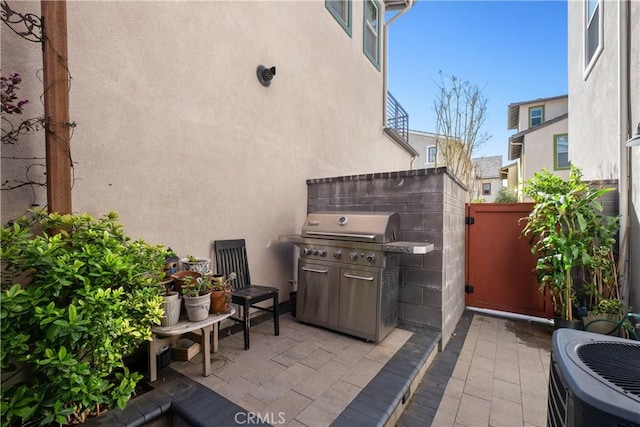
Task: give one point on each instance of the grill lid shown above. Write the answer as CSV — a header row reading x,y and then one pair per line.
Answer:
x,y
374,227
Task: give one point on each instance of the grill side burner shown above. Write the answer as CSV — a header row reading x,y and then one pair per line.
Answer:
x,y
348,273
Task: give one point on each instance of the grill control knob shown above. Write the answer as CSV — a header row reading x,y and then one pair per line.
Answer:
x,y
314,251
353,256
371,258
337,254
322,252
307,251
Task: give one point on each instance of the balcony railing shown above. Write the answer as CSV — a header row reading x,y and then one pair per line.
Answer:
x,y
397,118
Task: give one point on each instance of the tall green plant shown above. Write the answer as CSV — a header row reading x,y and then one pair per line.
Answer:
x,y
564,227
77,296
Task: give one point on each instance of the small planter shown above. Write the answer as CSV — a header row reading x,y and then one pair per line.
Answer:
x,y
218,302
201,265
197,307
179,278
570,324
601,323
171,306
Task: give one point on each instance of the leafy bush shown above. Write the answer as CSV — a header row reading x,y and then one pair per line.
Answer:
x,y
77,296
506,195
565,228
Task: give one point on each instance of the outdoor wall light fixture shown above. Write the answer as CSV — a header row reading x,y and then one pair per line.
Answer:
x,y
634,141
265,75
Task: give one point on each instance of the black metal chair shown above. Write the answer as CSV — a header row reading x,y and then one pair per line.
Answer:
x,y
231,257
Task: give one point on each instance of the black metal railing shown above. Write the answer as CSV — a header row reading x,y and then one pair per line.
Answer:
x,y
397,118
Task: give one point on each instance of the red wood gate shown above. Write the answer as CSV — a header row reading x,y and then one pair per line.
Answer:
x,y
499,263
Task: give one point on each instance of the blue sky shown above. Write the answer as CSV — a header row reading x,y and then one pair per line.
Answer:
x,y
513,50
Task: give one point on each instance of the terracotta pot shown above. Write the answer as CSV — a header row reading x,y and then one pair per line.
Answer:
x,y
218,303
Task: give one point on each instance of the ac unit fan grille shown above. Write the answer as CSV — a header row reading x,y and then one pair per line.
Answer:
x,y
618,363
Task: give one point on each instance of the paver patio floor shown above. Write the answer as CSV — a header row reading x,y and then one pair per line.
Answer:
x,y
499,379
493,373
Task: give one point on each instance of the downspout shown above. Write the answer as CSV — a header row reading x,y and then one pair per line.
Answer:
x,y
385,71
624,182
519,171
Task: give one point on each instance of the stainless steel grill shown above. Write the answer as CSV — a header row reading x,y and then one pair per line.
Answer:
x,y
348,271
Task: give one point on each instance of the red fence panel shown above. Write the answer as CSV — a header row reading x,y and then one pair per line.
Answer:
x,y
499,263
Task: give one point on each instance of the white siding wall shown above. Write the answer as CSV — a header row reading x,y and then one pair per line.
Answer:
x,y
552,109
538,150
593,102
420,141
595,139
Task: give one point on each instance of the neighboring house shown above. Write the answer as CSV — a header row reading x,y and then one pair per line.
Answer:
x,y
426,144
604,100
486,179
509,175
432,147
176,133
542,138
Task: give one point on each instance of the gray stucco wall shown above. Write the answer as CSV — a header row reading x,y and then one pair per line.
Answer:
x,y
431,207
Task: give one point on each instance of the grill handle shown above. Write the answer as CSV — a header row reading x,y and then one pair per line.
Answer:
x,y
351,276
358,236
314,270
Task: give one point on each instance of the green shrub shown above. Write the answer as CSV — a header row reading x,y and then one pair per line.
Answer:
x,y
506,195
77,296
565,228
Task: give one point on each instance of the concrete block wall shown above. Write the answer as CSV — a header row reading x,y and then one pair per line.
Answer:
x,y
431,207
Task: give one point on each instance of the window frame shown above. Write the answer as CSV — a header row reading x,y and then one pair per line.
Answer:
x,y
366,26
541,107
345,24
435,153
556,166
486,192
589,62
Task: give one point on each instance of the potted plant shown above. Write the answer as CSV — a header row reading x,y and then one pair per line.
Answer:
x,y
197,297
564,225
602,286
171,303
221,291
180,277
192,263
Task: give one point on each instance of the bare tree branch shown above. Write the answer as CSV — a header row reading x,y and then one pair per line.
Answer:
x,y
460,111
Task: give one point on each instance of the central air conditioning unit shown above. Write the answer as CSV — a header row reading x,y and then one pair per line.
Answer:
x,y
594,380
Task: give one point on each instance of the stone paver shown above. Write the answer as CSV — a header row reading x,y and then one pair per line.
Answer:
x,y
493,372
500,378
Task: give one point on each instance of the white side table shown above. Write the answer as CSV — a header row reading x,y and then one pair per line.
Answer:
x,y
164,335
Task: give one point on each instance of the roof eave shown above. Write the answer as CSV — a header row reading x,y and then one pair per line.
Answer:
x,y
515,146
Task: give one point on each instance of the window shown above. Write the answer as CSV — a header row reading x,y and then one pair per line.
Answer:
x,y
341,11
486,189
431,154
372,31
561,151
592,32
536,116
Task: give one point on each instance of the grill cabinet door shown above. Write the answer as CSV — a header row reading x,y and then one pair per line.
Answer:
x,y
313,292
359,300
